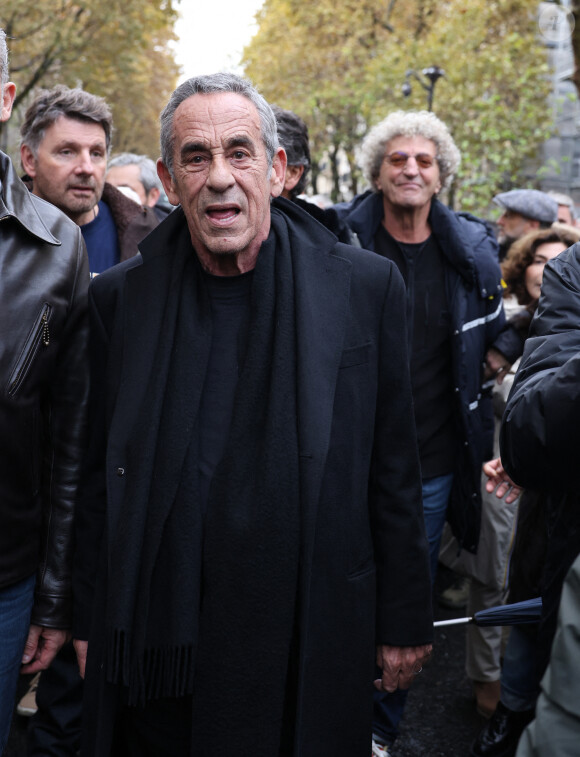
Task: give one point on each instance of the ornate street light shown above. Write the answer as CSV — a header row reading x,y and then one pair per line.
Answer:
x,y
433,74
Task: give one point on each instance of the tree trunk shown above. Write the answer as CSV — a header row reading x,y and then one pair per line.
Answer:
x,y
314,174
333,156
575,9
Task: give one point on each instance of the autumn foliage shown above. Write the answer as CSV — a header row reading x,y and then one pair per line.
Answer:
x,y
114,48
340,65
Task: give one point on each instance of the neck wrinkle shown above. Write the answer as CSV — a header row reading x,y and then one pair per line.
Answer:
x,y
409,225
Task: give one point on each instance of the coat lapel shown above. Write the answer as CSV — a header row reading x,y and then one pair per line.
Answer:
x,y
322,286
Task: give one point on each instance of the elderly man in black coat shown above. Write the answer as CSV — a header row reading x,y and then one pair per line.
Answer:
x,y
250,529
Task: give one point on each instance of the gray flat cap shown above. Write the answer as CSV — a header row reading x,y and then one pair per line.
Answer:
x,y
530,203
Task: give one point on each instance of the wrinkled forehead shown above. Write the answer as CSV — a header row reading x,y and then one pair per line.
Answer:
x,y
411,145
212,119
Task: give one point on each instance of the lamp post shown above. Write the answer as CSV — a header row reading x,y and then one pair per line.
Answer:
x,y
433,74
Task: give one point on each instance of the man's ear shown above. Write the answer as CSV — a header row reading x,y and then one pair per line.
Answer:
x,y
8,94
168,183
278,173
293,176
152,196
28,161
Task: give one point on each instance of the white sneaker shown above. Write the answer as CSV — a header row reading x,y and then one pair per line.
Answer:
x,y
379,750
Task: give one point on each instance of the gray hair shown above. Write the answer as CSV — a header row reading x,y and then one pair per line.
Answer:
x,y
147,169
50,104
3,61
409,124
566,200
212,84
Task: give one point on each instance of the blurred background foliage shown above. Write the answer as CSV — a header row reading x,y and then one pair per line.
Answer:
x,y
114,48
340,65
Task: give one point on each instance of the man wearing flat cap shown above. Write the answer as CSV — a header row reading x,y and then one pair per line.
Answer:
x,y
524,210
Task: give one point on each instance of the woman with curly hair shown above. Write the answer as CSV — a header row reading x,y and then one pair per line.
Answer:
x,y
523,266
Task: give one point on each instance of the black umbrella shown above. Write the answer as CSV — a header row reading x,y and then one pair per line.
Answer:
x,y
528,611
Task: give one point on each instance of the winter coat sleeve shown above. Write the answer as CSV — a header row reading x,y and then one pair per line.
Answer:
x,y
64,431
91,506
539,436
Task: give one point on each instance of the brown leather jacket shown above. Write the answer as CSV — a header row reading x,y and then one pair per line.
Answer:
x,y
132,221
44,278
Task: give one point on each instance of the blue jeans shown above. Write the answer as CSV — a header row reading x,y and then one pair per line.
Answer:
x,y
436,492
388,709
15,608
520,678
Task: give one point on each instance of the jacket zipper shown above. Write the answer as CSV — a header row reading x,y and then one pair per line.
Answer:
x,y
38,338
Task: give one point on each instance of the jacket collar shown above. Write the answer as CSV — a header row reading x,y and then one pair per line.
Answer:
x,y
16,202
322,287
459,236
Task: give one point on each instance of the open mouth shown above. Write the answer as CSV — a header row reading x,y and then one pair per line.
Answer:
x,y
223,214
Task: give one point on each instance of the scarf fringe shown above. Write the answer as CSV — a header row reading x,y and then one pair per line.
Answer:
x,y
156,673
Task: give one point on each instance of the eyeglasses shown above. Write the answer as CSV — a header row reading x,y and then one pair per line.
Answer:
x,y
399,159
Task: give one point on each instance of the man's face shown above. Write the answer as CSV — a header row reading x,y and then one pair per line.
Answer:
x,y
222,178
565,215
69,168
512,226
128,176
409,186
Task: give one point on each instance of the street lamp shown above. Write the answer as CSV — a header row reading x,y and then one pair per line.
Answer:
x,y
433,74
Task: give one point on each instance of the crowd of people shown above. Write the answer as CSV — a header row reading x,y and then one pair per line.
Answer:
x,y
232,462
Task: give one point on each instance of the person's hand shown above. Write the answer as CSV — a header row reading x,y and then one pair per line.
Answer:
x,y
499,480
81,648
41,647
400,665
496,365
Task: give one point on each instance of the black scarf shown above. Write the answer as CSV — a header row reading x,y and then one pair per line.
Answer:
x,y
209,608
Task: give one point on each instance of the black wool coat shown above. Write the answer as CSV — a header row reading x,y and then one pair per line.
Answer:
x,y
365,576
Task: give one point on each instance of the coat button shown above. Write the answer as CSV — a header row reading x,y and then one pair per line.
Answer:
x,y
120,471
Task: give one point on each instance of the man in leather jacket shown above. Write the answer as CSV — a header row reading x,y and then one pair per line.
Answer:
x,y
43,367
65,141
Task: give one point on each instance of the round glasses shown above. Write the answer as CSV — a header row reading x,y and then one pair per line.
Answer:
x,y
399,159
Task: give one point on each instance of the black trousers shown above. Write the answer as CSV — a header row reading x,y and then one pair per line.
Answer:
x,y
55,730
162,728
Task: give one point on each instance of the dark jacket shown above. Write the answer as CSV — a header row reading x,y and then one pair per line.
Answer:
x,y
510,342
539,434
43,364
475,299
539,439
329,218
364,576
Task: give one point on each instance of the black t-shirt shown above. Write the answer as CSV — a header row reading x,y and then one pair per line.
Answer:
x,y
429,323
230,312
